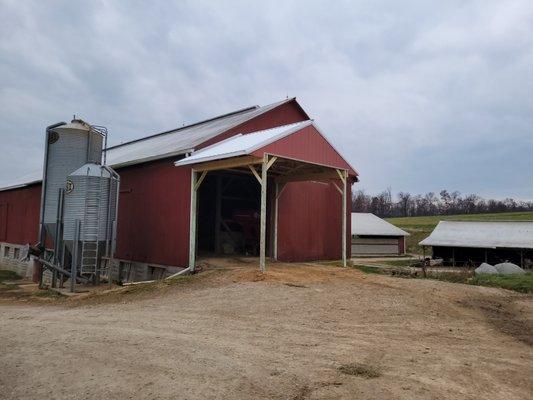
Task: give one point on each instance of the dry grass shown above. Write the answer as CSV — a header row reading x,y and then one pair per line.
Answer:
x,y
360,369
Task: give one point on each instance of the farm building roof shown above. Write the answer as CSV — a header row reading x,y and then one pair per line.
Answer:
x,y
164,144
482,234
371,225
240,144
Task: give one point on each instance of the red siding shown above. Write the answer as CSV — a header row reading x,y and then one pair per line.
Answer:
x,y
401,245
309,224
284,114
306,145
153,216
19,215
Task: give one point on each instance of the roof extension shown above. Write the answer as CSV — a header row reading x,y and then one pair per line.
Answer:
x,y
165,144
482,234
240,144
371,225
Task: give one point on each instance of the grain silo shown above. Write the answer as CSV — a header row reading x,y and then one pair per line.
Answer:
x,y
78,202
68,147
91,198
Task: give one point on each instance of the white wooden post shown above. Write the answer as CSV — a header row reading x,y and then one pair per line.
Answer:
x,y
344,189
192,226
276,222
262,230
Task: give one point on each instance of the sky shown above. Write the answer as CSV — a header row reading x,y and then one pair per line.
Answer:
x,y
418,95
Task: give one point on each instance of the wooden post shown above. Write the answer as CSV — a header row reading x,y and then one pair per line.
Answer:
x,y
522,259
262,230
192,223
218,213
344,179
276,222
453,256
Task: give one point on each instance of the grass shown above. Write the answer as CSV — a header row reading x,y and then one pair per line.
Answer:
x,y
420,227
522,283
359,369
6,275
367,269
519,283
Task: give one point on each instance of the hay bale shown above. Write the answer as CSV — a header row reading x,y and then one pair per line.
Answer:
x,y
486,269
507,268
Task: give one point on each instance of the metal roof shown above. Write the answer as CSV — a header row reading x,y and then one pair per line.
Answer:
x,y
372,225
242,144
165,144
482,234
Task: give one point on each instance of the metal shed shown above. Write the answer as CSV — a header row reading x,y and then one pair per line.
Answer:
x,y
474,242
372,235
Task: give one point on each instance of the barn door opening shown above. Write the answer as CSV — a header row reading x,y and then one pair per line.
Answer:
x,y
229,215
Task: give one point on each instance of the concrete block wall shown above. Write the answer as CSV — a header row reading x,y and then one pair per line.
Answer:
x,y
10,260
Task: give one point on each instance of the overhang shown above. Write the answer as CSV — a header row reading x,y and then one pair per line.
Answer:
x,y
482,234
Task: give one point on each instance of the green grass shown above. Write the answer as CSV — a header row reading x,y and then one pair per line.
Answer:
x,y
519,283
420,227
6,275
366,268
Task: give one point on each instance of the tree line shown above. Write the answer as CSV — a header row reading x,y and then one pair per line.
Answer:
x,y
445,203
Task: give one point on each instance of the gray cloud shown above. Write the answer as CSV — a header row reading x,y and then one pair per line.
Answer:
x,y
419,95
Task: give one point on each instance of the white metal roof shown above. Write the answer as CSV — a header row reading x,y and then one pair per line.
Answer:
x,y
372,225
482,234
167,144
242,144
181,140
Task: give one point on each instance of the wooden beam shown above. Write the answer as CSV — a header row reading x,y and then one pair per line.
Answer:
x,y
192,224
272,161
202,177
228,163
262,233
344,210
337,187
314,176
276,198
252,168
281,188
218,213
341,174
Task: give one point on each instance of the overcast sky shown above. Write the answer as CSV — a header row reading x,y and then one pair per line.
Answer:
x,y
419,96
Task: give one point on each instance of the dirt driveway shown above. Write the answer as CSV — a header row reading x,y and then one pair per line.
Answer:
x,y
235,334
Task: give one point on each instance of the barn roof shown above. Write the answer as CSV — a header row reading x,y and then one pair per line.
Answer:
x,y
165,144
240,144
371,225
482,234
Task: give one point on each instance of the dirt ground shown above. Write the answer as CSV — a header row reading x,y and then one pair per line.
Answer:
x,y
233,333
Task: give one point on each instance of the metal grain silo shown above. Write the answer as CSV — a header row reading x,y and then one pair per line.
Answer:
x,y
90,198
68,147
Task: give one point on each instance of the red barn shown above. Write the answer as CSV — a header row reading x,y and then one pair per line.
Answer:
x,y
261,181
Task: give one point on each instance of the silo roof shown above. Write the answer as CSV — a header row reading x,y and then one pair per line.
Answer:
x,y
482,234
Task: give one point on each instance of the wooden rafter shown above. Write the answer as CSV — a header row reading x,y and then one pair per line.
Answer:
x,y
227,163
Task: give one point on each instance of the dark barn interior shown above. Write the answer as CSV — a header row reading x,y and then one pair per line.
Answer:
x,y
465,256
230,201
